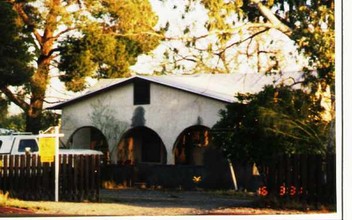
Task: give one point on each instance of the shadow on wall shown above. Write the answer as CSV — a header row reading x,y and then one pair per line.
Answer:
x,y
138,118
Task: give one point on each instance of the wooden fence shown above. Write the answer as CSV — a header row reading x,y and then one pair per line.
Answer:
x,y
308,179
25,177
169,176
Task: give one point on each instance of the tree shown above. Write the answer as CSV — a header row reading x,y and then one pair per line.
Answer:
x,y
308,23
18,122
273,122
82,38
13,122
3,109
14,54
246,27
254,34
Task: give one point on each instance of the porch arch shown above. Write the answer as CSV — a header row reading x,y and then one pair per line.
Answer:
x,y
88,137
191,144
141,145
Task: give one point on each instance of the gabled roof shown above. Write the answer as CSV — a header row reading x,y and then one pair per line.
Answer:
x,y
221,87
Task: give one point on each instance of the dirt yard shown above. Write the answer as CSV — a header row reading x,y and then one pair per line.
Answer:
x,y
136,202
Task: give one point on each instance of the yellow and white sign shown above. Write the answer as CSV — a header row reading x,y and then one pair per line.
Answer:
x,y
47,149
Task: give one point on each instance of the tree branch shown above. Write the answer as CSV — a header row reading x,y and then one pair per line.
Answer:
x,y
19,8
268,14
22,104
63,32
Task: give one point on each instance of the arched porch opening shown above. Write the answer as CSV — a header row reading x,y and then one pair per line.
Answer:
x,y
88,137
191,144
141,145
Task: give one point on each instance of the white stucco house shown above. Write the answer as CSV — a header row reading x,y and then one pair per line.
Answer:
x,y
154,119
161,108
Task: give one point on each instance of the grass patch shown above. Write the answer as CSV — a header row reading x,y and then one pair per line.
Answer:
x,y
4,198
7,201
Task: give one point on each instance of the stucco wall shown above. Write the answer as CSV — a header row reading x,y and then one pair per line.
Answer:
x,y
170,112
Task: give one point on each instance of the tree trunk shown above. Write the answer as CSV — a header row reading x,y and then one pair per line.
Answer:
x,y
39,83
33,123
40,78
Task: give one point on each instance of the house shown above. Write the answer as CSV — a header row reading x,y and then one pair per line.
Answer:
x,y
154,120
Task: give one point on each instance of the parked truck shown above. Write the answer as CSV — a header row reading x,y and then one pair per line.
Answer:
x,y
28,177
17,143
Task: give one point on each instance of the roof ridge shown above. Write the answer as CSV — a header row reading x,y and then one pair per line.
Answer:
x,y
222,87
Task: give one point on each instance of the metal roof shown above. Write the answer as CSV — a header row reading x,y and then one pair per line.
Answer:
x,y
222,87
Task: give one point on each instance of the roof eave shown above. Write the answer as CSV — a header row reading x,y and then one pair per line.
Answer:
x,y
128,80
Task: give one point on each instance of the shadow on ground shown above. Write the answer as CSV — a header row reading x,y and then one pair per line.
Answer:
x,y
173,199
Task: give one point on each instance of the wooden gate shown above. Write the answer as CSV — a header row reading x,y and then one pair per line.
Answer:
x,y
25,177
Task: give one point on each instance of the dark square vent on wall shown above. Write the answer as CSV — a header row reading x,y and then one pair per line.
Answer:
x,y
141,92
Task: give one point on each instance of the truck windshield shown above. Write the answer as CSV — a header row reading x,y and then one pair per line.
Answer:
x,y
31,143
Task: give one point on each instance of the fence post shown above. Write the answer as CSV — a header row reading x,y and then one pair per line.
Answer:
x,y
97,173
81,177
71,180
2,173
304,175
331,177
280,184
296,175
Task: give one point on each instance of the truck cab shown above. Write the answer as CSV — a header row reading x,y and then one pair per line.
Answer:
x,y
18,144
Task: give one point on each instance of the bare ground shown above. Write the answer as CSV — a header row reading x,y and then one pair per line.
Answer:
x,y
137,202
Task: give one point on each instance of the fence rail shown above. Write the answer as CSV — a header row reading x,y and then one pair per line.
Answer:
x,y
305,178
26,177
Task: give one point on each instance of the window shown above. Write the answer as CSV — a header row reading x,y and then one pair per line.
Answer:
x,y
31,143
141,92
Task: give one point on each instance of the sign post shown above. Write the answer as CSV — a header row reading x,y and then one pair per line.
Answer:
x,y
233,174
48,150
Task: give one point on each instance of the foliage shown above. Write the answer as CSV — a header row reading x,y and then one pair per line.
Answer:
x,y
106,49
18,122
13,122
81,38
273,122
314,34
254,35
49,119
3,108
14,53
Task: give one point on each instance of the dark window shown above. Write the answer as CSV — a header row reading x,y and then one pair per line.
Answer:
x,y
31,143
141,92
0,144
